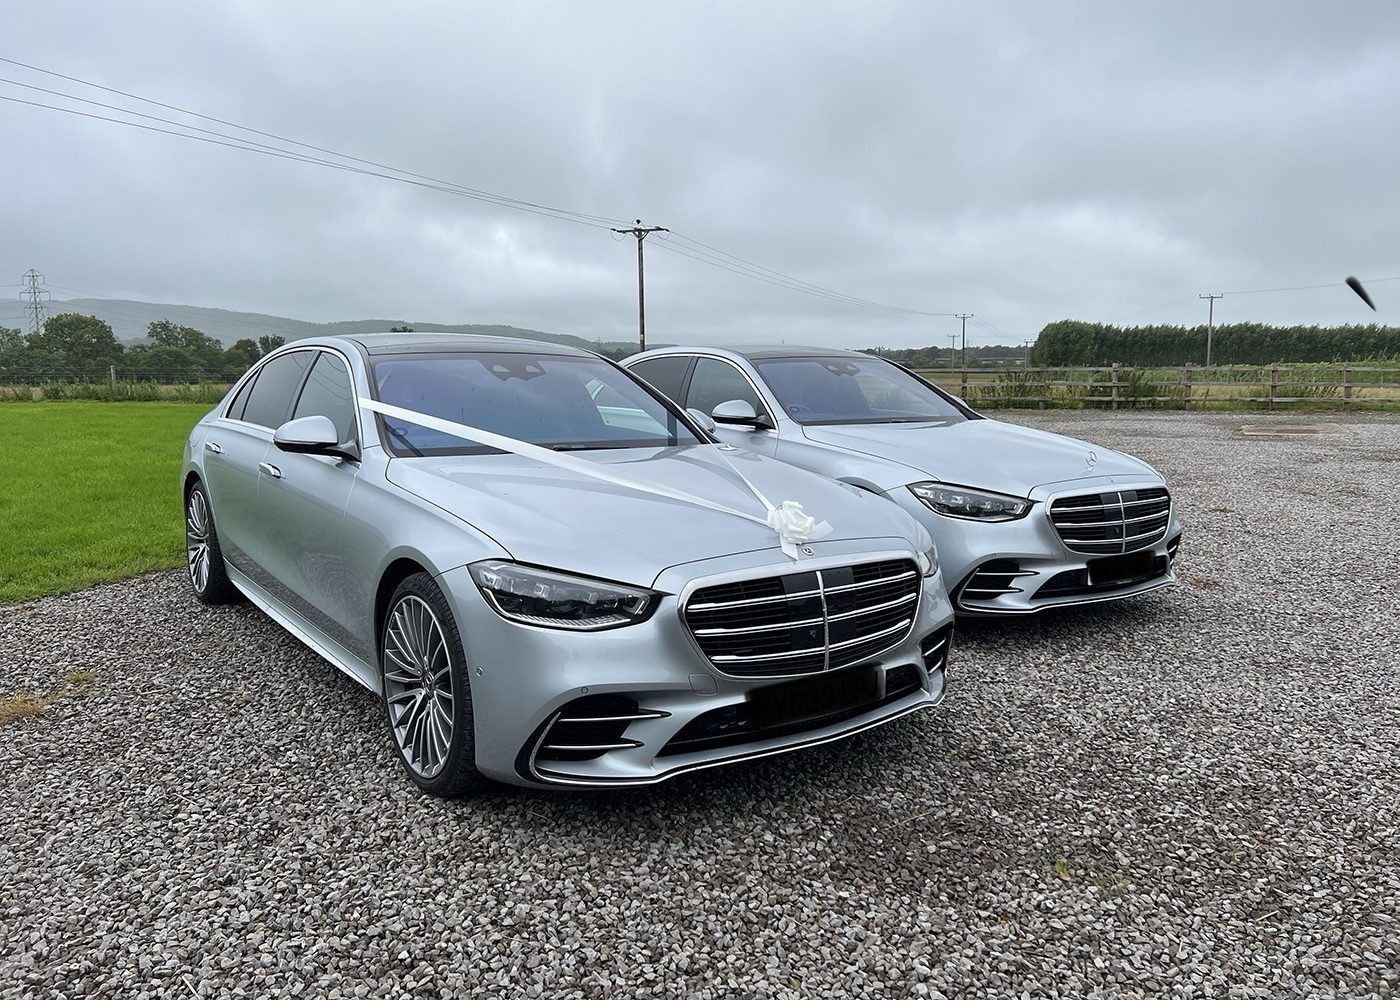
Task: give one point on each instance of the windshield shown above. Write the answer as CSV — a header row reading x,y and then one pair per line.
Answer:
x,y
561,402
854,391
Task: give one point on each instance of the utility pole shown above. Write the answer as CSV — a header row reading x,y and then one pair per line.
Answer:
x,y
641,232
1210,320
36,297
952,350
1026,358
964,317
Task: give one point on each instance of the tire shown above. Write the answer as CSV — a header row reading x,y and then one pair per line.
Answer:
x,y
204,560
424,682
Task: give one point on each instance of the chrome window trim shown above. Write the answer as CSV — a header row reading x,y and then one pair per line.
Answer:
x,y
283,352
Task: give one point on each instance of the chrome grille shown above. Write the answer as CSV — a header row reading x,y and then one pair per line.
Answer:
x,y
1112,522
805,622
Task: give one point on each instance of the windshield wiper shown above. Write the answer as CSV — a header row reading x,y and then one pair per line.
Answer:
x,y
590,447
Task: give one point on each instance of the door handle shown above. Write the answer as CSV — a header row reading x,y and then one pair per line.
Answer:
x,y
270,469
213,448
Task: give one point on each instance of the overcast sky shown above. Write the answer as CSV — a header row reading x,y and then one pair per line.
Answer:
x,y
1023,162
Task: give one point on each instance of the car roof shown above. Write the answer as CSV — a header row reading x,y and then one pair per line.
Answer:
x,y
761,352
465,343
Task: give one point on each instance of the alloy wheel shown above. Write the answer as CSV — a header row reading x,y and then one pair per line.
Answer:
x,y
418,685
197,539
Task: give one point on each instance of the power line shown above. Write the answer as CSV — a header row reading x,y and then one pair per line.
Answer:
x,y
237,143
702,252
280,138
715,252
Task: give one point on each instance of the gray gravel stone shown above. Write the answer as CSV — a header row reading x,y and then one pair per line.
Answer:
x,y
1189,795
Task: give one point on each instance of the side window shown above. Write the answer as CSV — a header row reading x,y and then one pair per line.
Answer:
x,y
716,382
328,392
270,400
665,374
235,409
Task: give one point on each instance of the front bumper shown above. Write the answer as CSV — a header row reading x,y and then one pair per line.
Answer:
x,y
1037,568
523,677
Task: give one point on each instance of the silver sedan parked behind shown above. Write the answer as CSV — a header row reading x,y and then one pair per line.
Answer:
x,y
597,599
1023,519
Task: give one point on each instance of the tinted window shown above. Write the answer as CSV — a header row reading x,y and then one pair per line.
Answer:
x,y
270,400
235,409
853,391
665,374
328,393
563,402
716,382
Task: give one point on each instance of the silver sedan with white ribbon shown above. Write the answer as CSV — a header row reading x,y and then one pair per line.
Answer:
x,y
550,574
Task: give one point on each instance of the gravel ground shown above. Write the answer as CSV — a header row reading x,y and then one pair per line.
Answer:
x,y
1189,795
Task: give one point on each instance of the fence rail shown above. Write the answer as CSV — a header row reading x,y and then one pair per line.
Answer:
x,y
1272,387
1246,387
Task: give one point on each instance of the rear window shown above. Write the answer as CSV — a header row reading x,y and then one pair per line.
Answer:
x,y
270,399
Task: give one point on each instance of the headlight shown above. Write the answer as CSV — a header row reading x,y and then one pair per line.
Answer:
x,y
975,505
556,600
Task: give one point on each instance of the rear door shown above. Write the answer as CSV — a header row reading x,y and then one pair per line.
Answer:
x,y
233,449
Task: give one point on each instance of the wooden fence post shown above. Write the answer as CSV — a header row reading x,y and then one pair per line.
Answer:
x,y
963,391
1044,389
1346,387
1186,382
1115,385
112,375
1273,387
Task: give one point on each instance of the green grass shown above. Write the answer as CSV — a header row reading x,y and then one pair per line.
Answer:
x,y
91,493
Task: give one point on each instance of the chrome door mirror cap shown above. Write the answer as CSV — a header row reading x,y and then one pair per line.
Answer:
x,y
739,411
313,435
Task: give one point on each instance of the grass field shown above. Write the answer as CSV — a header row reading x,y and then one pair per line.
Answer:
x,y
91,493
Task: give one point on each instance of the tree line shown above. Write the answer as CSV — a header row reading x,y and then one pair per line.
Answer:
x,y
1073,343
74,347
986,355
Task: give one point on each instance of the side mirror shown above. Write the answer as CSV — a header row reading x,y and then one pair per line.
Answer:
x,y
739,411
313,435
703,419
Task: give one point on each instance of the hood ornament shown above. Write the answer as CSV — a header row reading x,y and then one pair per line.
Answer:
x,y
1091,460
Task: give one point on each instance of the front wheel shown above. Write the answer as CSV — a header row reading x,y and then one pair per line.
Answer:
x,y
427,696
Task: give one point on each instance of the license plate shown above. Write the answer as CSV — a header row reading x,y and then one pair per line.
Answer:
x,y
814,697
1128,568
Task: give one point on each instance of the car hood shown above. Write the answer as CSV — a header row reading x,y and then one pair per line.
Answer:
x,y
998,456
554,517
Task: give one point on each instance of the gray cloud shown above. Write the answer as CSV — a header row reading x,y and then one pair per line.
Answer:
x,y
1024,162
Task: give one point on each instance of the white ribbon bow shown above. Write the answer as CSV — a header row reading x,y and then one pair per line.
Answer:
x,y
795,526
791,523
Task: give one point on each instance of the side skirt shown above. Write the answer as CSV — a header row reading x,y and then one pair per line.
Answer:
x,y
316,640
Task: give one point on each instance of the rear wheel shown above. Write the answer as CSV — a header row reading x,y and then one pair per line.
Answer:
x,y
203,557
427,695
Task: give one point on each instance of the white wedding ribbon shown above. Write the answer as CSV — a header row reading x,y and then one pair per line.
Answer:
x,y
792,525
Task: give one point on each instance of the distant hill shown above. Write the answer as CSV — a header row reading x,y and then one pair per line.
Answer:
x,y
129,320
